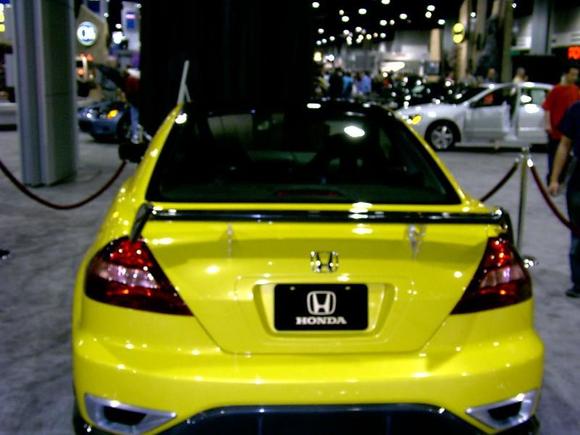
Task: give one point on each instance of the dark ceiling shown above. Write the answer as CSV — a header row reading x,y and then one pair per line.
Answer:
x,y
381,18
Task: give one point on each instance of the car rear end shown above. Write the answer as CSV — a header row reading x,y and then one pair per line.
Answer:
x,y
331,298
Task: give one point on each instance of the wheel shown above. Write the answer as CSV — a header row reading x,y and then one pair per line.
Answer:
x,y
442,135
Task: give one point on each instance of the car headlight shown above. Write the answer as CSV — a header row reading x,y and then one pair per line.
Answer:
x,y
112,113
413,119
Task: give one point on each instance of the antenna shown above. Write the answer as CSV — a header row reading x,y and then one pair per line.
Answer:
x,y
183,94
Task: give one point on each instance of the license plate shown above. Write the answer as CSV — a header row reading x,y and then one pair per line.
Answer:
x,y
308,307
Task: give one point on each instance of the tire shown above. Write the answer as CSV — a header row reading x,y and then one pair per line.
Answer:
x,y
442,135
124,129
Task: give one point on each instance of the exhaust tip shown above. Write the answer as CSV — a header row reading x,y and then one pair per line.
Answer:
x,y
507,413
118,417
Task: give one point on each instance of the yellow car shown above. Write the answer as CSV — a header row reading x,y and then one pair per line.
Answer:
x,y
312,270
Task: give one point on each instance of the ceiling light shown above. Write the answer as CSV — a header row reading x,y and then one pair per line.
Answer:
x,y
118,26
375,35
392,22
428,14
106,14
403,16
321,30
341,12
514,5
345,19
383,22
385,2
441,22
332,38
358,29
318,43
431,8
369,36
473,15
383,35
315,5
362,11
345,32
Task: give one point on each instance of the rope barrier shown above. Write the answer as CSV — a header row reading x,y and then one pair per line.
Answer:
x,y
52,205
502,182
551,203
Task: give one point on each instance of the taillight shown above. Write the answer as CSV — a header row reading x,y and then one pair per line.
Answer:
x,y
500,280
126,274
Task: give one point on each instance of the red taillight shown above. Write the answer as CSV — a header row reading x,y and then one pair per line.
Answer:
x,y
500,280
126,274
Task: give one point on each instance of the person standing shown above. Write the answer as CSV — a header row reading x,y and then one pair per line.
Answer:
x,y
561,97
570,141
520,76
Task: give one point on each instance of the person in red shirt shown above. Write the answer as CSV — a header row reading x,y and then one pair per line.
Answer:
x,y
560,98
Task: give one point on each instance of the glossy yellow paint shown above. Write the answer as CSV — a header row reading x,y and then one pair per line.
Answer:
x,y
229,353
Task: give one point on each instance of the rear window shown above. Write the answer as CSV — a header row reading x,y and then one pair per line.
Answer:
x,y
316,155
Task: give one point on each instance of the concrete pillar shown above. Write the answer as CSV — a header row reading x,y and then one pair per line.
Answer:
x,y
541,25
462,48
507,22
45,90
435,45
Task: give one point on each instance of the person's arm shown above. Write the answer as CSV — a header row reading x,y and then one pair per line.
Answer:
x,y
562,155
547,123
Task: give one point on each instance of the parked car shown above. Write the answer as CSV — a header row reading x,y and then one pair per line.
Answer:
x,y
308,270
105,120
496,114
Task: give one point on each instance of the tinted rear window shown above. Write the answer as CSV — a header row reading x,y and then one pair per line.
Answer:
x,y
313,155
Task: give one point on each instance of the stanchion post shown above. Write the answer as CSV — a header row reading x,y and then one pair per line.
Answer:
x,y
523,197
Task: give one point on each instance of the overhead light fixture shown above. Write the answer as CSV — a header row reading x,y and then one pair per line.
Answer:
x,y
385,2
375,35
514,5
341,12
369,36
441,22
358,29
383,22
317,56
318,43
430,8
321,30
346,32
332,38
315,5
362,11
324,41
392,22
473,15
106,14
118,26
428,14
403,16
345,19
383,35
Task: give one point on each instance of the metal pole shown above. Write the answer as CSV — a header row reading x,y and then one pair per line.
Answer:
x,y
183,91
523,197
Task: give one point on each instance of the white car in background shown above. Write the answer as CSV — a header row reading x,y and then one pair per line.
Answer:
x,y
499,115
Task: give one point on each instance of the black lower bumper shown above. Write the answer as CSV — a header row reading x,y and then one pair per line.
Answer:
x,y
323,420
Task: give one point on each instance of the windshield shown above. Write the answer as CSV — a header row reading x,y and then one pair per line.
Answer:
x,y
317,155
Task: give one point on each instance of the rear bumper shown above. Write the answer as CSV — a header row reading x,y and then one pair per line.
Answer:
x,y
192,384
317,420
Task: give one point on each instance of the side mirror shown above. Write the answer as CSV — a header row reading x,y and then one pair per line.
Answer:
x,y
132,152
